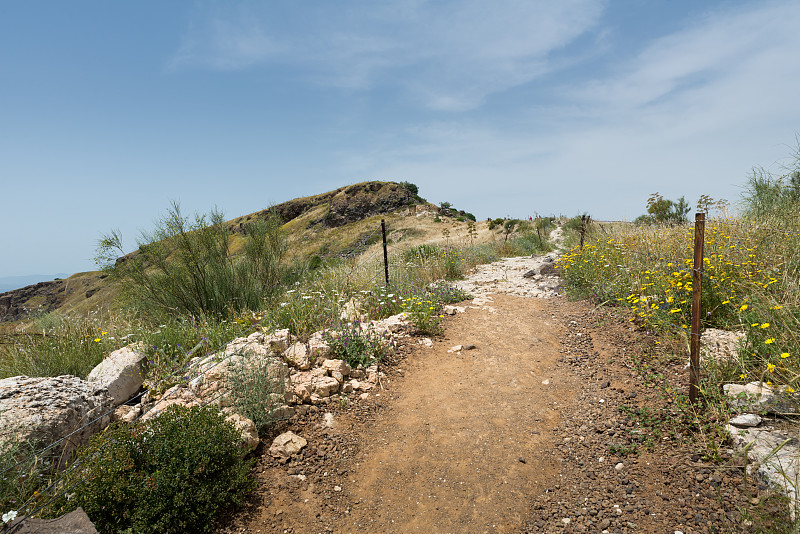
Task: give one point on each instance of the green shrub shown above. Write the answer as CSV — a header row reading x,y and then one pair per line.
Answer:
x,y
380,302
256,387
170,475
423,313
411,188
664,211
494,223
355,343
315,262
189,267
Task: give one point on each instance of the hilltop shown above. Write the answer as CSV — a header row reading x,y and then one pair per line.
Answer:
x,y
343,222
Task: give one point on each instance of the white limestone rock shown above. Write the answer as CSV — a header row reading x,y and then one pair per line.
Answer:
x,y
121,372
286,445
759,397
42,410
298,356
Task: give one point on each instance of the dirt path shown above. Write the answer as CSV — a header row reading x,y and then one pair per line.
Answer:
x,y
558,420
466,441
456,442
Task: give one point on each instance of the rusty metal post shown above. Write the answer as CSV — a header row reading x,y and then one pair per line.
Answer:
x,y
697,293
385,255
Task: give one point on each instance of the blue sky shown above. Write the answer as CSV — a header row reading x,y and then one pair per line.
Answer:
x,y
110,110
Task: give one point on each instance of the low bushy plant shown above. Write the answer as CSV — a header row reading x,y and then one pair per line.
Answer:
x,y
356,343
256,388
380,302
172,474
423,314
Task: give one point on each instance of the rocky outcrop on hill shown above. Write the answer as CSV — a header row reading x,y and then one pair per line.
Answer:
x,y
45,297
344,205
19,303
360,201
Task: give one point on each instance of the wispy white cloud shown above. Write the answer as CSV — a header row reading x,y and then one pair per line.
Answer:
x,y
232,42
449,55
720,48
689,114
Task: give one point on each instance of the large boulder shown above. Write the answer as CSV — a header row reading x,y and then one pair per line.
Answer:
x,y
43,410
75,522
122,372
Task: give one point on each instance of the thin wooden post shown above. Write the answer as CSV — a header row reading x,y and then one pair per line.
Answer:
x,y
583,229
697,293
385,255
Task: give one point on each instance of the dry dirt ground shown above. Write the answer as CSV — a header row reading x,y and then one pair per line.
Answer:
x,y
556,421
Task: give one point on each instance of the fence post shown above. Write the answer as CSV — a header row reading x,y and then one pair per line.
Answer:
x,y
697,292
385,255
583,229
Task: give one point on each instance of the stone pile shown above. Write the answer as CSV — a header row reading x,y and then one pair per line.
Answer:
x,y
42,411
312,375
773,452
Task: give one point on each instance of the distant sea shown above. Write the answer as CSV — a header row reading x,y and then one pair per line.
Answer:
x,y
7,283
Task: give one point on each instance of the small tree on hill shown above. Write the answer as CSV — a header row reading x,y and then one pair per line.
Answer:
x,y
664,211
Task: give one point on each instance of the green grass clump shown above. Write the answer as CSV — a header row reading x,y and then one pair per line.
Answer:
x,y
173,474
57,345
21,473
